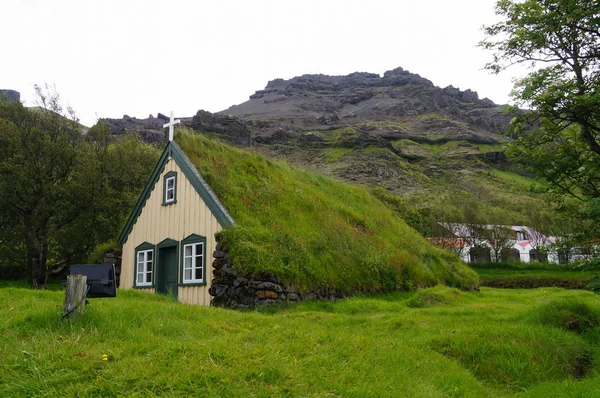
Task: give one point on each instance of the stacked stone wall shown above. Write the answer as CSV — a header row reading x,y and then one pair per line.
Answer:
x,y
232,290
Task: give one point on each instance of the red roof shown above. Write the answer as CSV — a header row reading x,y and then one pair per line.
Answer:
x,y
448,242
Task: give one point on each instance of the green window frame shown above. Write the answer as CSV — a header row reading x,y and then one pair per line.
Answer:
x,y
143,269
192,271
170,188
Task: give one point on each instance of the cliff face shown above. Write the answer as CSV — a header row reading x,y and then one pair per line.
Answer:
x,y
149,129
398,97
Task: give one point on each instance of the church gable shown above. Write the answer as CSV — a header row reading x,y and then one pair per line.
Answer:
x,y
170,235
166,186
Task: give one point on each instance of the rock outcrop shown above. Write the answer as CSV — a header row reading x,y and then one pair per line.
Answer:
x,y
11,95
150,129
230,128
307,101
236,130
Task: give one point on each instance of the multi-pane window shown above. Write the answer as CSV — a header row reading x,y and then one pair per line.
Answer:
x,y
144,267
193,263
193,260
169,189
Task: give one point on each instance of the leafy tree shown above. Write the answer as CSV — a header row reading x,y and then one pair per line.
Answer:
x,y
458,223
541,223
560,41
500,238
61,191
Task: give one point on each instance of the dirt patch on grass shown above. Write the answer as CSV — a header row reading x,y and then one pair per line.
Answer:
x,y
583,364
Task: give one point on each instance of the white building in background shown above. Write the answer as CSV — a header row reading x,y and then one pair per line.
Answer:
x,y
515,243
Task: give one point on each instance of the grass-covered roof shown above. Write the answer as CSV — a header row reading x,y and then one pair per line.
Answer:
x,y
313,231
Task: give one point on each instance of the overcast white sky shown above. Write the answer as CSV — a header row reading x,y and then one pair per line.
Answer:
x,y
110,58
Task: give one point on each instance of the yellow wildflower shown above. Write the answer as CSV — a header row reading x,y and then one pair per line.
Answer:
x,y
104,357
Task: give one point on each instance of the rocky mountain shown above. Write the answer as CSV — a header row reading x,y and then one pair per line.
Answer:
x,y
397,131
399,105
320,102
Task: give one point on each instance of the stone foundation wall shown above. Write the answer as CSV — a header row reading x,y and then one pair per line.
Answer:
x,y
229,289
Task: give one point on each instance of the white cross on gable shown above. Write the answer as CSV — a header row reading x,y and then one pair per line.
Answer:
x,y
171,124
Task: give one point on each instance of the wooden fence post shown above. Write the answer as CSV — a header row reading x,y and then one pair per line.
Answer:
x,y
75,295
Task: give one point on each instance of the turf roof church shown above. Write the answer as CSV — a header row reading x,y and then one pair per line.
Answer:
x,y
169,238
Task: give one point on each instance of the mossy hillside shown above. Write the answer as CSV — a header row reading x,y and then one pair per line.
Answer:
x,y
438,188
315,232
499,194
503,190
458,149
433,174
345,137
432,178
333,155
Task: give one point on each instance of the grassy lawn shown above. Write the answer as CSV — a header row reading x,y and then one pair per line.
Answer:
x,y
430,343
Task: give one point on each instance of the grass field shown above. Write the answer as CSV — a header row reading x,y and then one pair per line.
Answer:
x,y
430,343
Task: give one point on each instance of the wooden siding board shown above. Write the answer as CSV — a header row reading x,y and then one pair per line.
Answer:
x,y
190,206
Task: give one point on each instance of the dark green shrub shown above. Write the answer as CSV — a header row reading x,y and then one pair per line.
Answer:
x,y
594,285
520,266
592,264
96,255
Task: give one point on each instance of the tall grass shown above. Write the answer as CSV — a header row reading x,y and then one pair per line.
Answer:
x,y
487,344
571,315
315,232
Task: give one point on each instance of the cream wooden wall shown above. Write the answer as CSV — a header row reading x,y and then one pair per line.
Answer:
x,y
156,222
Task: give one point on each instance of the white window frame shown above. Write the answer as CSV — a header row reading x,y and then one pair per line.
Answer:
x,y
193,264
172,189
144,267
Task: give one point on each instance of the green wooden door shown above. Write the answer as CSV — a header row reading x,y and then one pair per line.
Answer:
x,y
167,271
